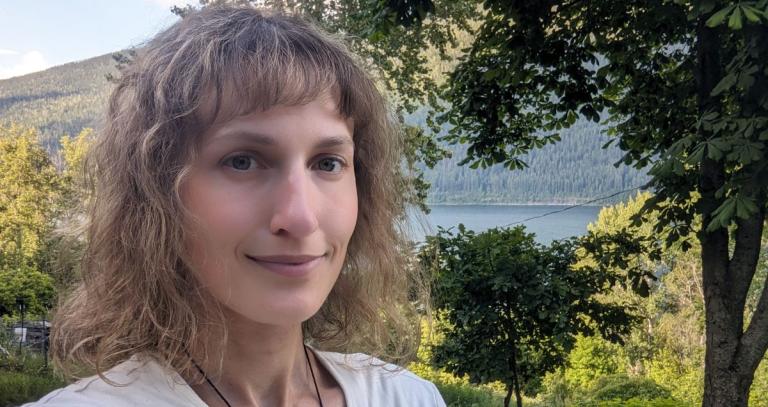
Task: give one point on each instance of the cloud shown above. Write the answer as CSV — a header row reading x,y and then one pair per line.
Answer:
x,y
8,52
28,62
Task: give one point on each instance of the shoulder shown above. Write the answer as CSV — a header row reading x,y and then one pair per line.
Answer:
x,y
135,382
370,381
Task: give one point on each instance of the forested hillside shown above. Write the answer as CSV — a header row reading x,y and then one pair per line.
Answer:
x,y
67,98
61,100
571,171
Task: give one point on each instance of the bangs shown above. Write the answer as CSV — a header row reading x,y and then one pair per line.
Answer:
x,y
265,63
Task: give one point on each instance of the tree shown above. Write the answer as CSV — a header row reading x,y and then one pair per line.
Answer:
x,y
513,307
28,284
30,189
684,84
30,186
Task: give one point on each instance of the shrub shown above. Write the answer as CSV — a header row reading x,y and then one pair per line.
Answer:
x,y
635,402
622,387
464,395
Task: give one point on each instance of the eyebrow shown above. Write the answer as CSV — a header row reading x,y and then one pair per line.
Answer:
x,y
269,141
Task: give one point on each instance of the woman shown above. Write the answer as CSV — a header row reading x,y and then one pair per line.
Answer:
x,y
243,227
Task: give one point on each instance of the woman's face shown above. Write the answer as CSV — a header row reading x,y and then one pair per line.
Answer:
x,y
275,202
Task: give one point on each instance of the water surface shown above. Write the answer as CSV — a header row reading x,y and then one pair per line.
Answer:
x,y
547,222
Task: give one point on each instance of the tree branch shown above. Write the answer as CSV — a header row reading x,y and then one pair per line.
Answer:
x,y
754,342
742,266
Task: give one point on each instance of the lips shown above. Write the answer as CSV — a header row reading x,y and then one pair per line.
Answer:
x,y
294,266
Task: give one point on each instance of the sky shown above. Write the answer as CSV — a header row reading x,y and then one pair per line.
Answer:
x,y
38,34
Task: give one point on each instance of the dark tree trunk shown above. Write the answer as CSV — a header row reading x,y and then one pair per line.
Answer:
x,y
515,377
732,353
512,335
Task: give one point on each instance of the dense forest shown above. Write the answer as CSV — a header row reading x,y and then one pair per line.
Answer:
x,y
67,98
571,171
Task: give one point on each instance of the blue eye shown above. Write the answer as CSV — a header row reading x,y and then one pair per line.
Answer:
x,y
330,164
241,162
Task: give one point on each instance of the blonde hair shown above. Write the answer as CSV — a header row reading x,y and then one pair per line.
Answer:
x,y
138,294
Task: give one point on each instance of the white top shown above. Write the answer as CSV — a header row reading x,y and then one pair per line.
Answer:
x,y
145,382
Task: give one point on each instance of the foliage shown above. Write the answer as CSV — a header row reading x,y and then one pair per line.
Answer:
x,y
512,307
25,377
29,184
634,402
456,391
466,395
555,391
668,347
18,388
34,287
33,197
622,387
590,359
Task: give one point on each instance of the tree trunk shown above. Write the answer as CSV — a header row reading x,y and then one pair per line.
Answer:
x,y
732,353
509,394
515,377
512,336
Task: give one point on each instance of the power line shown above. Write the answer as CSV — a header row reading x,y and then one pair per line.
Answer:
x,y
571,207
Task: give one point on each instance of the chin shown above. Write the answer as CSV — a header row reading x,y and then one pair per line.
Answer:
x,y
281,313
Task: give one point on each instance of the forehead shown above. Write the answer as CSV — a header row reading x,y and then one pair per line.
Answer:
x,y
319,118
227,103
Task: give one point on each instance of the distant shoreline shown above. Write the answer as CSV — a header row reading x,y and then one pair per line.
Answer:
x,y
512,204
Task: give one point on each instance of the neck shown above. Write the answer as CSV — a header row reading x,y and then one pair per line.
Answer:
x,y
262,365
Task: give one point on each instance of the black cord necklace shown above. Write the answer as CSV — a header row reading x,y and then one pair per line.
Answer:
x,y
224,399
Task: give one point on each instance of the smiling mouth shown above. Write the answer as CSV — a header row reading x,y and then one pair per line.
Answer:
x,y
288,266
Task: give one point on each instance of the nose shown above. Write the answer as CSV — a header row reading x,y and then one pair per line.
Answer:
x,y
294,211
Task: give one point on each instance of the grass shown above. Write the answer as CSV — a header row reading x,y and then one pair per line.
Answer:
x,y
25,377
18,387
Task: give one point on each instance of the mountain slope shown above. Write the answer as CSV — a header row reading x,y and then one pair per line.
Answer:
x,y
60,100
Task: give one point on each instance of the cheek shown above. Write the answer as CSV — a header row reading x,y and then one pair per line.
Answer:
x,y
346,211
213,224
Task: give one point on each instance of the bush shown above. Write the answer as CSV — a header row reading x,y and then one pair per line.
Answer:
x,y
464,395
635,402
622,387
591,358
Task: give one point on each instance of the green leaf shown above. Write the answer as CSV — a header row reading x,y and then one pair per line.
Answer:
x,y
698,154
735,22
709,116
726,83
719,17
745,207
713,152
753,14
722,216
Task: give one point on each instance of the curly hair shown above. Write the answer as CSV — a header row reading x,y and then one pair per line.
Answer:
x,y
138,294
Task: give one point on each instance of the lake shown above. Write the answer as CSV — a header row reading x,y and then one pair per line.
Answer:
x,y
548,222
